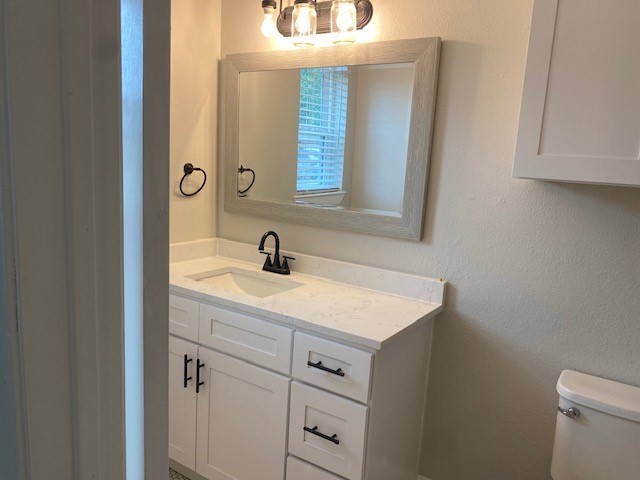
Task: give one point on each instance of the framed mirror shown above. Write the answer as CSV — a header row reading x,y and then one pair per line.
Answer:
x,y
337,137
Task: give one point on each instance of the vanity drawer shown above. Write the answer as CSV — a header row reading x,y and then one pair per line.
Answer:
x,y
246,337
183,317
327,415
333,366
299,470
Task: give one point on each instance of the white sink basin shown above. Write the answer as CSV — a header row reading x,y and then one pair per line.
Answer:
x,y
257,284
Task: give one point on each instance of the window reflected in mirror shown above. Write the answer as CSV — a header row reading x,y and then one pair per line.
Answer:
x,y
322,126
331,137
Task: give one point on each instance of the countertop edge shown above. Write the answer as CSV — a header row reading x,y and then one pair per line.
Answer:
x,y
309,326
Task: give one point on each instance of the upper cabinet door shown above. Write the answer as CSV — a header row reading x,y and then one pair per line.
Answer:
x,y
580,116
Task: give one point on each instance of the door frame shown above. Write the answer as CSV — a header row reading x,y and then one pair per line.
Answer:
x,y
78,41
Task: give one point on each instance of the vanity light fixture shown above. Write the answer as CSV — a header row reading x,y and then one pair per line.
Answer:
x,y
305,18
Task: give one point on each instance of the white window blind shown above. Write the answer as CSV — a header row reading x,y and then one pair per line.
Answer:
x,y
322,128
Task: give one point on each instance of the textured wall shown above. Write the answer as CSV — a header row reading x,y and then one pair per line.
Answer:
x,y
195,50
544,276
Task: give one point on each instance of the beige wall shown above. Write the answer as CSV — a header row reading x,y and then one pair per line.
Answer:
x,y
269,141
195,51
544,276
383,117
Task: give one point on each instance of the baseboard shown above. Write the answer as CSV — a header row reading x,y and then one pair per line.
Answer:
x,y
181,469
194,476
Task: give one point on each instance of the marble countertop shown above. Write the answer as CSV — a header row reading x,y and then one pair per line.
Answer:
x,y
346,312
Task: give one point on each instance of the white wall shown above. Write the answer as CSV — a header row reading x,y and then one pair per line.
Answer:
x,y
195,52
544,276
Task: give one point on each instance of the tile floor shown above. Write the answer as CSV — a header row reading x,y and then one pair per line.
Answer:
x,y
173,475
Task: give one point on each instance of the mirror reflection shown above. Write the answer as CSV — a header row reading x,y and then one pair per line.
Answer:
x,y
331,137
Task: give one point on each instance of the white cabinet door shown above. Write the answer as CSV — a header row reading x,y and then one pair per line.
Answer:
x,y
182,402
580,114
242,420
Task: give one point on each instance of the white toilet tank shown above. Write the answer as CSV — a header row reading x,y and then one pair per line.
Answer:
x,y
603,441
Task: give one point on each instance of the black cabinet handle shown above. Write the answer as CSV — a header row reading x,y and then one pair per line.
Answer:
x,y
319,366
186,368
198,382
333,438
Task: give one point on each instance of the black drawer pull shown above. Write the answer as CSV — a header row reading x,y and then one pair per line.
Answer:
x,y
333,438
198,382
319,366
186,368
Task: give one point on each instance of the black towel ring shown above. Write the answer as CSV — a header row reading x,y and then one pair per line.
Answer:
x,y
241,170
188,170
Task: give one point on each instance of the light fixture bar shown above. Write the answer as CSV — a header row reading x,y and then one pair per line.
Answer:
x,y
364,13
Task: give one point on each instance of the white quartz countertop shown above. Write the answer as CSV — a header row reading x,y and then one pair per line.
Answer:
x,y
345,312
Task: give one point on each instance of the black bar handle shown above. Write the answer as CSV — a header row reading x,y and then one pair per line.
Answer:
x,y
186,370
333,438
320,366
198,382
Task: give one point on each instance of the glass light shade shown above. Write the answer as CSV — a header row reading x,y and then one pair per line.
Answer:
x,y
343,22
303,24
269,28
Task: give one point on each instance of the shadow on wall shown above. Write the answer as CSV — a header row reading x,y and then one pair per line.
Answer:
x,y
506,335
614,196
458,61
493,403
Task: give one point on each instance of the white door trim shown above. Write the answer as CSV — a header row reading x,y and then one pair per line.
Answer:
x,y
157,47
13,441
60,146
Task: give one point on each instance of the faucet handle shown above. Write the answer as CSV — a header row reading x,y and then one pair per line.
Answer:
x,y
267,262
285,263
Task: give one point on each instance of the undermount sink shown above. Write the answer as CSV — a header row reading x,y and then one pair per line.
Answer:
x,y
237,280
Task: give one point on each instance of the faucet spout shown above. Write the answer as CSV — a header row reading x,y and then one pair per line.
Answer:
x,y
273,234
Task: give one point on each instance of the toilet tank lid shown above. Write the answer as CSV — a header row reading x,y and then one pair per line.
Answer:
x,y
604,395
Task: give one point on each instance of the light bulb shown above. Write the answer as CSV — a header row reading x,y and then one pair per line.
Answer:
x,y
269,28
343,22
303,23
345,19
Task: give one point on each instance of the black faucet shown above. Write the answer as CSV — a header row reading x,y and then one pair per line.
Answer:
x,y
274,266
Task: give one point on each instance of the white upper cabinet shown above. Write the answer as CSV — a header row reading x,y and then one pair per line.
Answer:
x,y
580,116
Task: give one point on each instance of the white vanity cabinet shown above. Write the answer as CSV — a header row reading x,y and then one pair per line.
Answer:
x,y
184,315
579,120
281,403
233,425
182,401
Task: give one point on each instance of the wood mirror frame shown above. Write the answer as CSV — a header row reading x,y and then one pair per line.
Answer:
x,y
424,53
